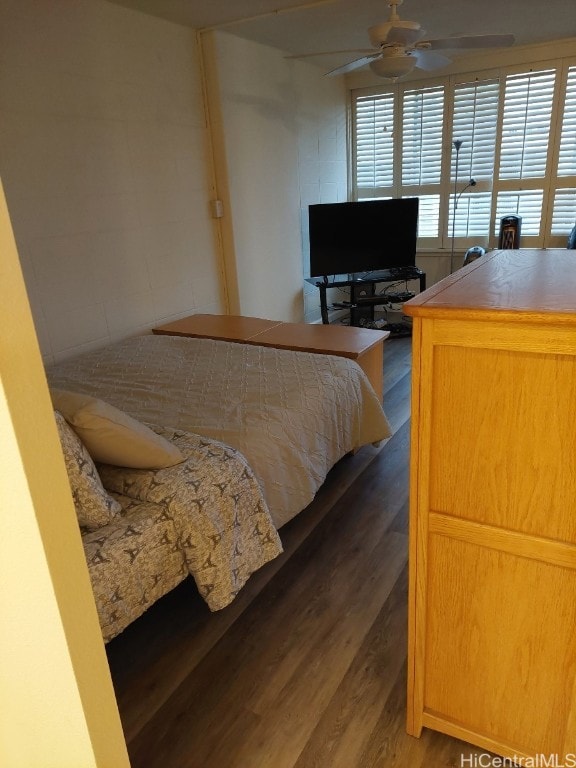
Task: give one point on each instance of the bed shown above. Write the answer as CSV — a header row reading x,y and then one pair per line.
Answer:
x,y
290,416
293,415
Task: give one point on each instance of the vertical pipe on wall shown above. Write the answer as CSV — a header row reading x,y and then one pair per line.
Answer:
x,y
218,170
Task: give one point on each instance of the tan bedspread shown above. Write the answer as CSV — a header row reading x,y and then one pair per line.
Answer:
x,y
293,415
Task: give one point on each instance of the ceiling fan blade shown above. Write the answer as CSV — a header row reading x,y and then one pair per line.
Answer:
x,y
365,51
429,60
469,41
352,65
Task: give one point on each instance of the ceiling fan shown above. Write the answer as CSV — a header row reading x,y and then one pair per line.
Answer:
x,y
399,47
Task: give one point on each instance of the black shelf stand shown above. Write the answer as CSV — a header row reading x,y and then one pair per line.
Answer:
x,y
363,297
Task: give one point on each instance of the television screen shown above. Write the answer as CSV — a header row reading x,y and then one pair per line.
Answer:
x,y
371,235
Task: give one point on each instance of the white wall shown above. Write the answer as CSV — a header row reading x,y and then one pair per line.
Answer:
x,y
285,144
102,156
58,705
322,158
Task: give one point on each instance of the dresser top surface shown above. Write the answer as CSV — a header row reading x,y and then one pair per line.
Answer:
x,y
524,282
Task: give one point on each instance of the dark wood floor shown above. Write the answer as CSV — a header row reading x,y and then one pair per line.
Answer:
x,y
307,668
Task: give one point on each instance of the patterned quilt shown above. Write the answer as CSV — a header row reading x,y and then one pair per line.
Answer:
x,y
205,516
293,415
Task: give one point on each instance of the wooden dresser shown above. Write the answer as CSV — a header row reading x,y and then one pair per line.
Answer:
x,y
492,628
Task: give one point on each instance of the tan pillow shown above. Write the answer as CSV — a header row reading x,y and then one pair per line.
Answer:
x,y
113,437
94,505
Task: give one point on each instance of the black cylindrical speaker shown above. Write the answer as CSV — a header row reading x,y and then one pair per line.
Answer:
x,y
510,227
358,311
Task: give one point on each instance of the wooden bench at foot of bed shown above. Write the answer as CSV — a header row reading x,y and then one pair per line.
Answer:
x,y
364,345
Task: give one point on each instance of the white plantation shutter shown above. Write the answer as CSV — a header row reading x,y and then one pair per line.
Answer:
x,y
567,155
472,214
527,204
526,124
422,126
374,148
564,215
428,215
525,147
475,123
564,209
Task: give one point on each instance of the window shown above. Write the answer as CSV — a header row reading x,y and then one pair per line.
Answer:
x,y
474,123
526,125
374,144
518,145
564,210
567,156
564,214
422,114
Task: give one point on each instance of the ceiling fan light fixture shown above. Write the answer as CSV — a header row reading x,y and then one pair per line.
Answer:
x,y
393,67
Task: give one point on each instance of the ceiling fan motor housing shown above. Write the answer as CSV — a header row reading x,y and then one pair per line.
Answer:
x,y
379,33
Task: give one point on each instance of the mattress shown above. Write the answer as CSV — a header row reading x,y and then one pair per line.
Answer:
x,y
292,415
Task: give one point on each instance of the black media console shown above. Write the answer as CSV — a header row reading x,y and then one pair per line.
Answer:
x,y
363,296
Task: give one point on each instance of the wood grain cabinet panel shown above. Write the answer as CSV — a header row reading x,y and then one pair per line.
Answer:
x,y
492,628
512,414
499,656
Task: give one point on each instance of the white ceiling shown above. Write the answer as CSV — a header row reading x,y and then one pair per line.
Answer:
x,y
301,26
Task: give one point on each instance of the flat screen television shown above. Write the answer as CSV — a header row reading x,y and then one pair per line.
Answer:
x,y
366,236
